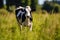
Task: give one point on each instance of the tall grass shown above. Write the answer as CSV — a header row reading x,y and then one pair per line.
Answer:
x,y
45,27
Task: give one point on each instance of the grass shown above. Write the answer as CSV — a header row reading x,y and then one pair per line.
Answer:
x,y
45,27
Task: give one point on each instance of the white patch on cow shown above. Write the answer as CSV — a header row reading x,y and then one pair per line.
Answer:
x,y
20,12
28,7
19,8
28,12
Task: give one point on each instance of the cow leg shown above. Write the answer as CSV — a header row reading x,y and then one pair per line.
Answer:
x,y
21,27
31,27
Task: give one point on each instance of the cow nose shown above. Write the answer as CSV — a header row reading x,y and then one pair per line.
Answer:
x,y
28,17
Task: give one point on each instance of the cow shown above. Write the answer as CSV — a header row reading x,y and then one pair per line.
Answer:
x,y
24,16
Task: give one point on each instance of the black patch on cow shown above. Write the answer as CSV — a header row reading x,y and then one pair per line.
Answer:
x,y
31,19
21,16
31,16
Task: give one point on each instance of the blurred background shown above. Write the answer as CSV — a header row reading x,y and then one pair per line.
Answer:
x,y
46,20
48,5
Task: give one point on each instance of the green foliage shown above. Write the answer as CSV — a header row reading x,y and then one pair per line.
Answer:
x,y
27,2
1,3
34,4
12,8
3,12
51,7
45,27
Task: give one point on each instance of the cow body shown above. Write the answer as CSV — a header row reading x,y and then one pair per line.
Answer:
x,y
24,17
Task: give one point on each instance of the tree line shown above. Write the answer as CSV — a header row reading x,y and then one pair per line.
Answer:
x,y
32,3
51,6
48,6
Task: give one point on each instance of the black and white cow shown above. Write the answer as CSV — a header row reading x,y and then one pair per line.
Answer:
x,y
24,16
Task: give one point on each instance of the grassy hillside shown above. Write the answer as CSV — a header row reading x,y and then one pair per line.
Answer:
x,y
45,27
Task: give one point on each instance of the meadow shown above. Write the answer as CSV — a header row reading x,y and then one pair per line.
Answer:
x,y
45,27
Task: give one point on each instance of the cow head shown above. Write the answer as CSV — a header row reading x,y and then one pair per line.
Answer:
x,y
28,11
29,16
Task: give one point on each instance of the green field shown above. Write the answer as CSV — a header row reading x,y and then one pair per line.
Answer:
x,y
45,27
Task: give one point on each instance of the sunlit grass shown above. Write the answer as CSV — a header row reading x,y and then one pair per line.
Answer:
x,y
45,27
